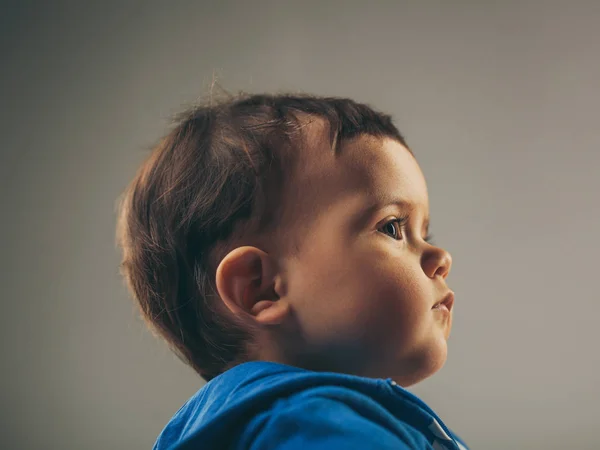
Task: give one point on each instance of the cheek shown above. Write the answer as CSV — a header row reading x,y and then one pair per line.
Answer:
x,y
398,302
396,281
361,298
330,298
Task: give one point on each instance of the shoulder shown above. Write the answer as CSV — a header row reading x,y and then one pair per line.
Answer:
x,y
328,417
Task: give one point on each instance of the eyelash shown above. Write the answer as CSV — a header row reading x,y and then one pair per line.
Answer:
x,y
401,222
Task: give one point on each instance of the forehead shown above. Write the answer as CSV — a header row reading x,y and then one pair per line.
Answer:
x,y
382,171
365,170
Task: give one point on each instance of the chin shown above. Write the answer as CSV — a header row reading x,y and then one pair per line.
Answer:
x,y
422,365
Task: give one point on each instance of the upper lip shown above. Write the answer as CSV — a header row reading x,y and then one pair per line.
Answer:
x,y
447,300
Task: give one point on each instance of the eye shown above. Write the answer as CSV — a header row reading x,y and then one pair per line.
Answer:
x,y
393,228
429,239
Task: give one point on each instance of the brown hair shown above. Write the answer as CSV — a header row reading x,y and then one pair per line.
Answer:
x,y
219,168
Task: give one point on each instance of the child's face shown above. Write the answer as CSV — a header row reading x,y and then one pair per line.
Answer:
x,y
362,288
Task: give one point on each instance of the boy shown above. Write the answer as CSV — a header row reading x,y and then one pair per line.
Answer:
x,y
280,244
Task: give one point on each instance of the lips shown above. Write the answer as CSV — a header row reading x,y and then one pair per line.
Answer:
x,y
446,303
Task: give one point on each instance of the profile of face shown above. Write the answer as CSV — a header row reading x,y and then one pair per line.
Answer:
x,y
365,293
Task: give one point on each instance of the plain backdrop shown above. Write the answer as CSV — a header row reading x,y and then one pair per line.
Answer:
x,y
500,102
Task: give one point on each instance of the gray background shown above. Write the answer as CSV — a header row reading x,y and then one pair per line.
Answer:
x,y
500,101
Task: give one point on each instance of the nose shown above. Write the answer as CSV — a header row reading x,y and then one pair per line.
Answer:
x,y
436,262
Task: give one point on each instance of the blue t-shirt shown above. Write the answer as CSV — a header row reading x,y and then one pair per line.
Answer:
x,y
264,405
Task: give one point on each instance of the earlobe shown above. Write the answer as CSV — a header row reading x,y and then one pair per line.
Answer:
x,y
271,312
246,282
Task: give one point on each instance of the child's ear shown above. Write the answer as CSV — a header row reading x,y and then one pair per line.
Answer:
x,y
247,282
